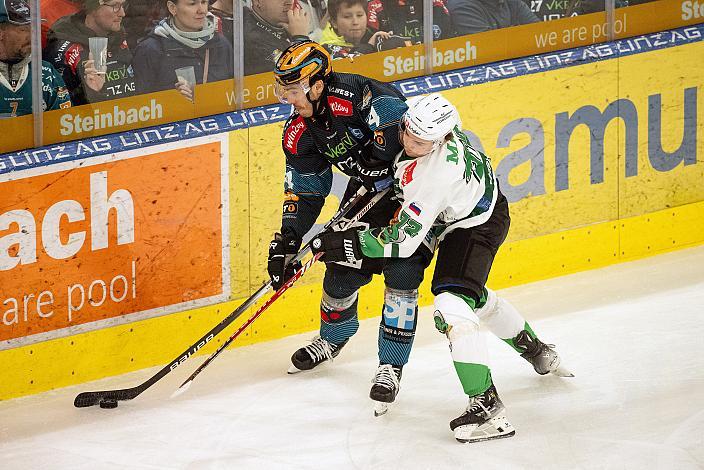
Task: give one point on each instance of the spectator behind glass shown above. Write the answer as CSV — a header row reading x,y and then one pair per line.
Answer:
x,y
187,37
15,75
405,18
140,18
269,27
222,9
347,32
475,16
52,10
67,50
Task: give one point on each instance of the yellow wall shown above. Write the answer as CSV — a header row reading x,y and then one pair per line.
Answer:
x,y
586,226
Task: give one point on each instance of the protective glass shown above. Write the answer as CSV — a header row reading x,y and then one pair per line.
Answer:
x,y
288,94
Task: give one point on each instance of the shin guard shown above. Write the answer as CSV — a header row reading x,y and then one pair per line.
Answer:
x,y
398,326
338,318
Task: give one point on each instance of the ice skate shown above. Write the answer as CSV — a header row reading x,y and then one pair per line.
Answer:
x,y
385,387
484,419
541,356
317,352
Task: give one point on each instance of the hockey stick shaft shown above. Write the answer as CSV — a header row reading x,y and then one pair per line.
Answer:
x,y
86,399
276,295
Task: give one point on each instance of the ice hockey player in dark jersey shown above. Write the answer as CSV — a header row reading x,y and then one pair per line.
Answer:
x,y
450,194
350,122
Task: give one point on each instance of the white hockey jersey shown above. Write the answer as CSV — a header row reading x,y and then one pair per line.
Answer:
x,y
453,187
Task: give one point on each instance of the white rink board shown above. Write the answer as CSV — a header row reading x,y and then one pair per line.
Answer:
x,y
630,332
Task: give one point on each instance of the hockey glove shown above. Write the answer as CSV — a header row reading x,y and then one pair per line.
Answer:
x,y
338,246
282,250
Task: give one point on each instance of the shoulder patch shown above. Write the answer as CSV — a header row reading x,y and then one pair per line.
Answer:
x,y
292,134
340,106
386,111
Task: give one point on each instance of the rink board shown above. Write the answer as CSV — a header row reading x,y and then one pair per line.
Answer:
x,y
587,189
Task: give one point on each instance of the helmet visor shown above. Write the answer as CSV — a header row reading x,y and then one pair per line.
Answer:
x,y
292,93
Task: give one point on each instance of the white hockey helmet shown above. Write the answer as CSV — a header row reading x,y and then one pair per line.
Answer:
x,y
430,117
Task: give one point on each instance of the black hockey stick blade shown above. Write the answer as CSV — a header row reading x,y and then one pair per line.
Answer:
x,y
86,399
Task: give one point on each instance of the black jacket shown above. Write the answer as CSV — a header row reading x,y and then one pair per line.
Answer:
x,y
405,18
475,16
67,49
156,59
357,132
263,43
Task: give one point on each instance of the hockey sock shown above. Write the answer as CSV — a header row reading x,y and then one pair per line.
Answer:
x,y
338,318
398,326
475,378
454,317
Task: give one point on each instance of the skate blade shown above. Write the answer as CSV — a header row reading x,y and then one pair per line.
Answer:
x,y
497,427
562,372
380,408
293,370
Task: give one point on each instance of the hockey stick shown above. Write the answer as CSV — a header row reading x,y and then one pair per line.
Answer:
x,y
109,398
187,383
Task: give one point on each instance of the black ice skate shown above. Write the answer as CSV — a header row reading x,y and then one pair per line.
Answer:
x,y
541,356
484,419
317,352
385,387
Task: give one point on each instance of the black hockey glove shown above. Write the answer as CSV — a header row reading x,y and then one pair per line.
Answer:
x,y
282,250
338,246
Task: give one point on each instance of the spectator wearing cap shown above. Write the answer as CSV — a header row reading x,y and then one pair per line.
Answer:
x,y
187,37
68,50
475,16
15,57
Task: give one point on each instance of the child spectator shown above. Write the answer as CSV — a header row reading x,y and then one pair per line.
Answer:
x,y
347,32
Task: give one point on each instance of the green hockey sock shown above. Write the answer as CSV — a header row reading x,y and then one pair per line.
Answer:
x,y
475,378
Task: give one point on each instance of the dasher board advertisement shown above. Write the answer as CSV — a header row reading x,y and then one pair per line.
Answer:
x,y
113,239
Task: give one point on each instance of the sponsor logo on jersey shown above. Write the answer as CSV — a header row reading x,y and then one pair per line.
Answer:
x,y
357,133
341,91
408,174
293,134
290,207
379,139
346,143
72,56
340,106
413,207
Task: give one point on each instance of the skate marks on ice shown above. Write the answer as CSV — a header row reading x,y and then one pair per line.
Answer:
x,y
635,402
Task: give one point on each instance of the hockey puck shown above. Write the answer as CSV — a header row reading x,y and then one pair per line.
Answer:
x,y
108,403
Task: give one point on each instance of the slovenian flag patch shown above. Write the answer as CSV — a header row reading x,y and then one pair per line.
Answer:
x,y
414,208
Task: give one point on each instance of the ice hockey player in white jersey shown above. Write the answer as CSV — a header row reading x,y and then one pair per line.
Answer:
x,y
451,200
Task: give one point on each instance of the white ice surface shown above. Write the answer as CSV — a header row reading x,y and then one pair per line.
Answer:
x,y
631,333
